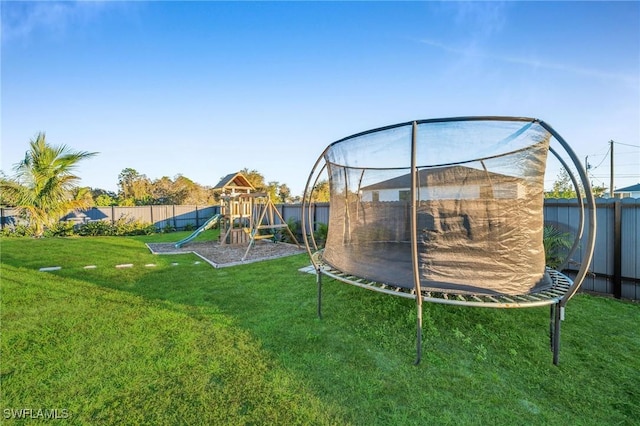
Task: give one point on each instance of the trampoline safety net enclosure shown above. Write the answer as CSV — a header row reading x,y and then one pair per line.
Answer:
x,y
477,187
448,211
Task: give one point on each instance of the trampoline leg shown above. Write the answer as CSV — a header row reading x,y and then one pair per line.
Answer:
x,y
555,337
551,317
419,336
319,282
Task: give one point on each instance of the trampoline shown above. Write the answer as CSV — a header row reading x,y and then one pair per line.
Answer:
x,y
449,211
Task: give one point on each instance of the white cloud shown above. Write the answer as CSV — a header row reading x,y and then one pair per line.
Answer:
x,y
481,19
23,20
474,52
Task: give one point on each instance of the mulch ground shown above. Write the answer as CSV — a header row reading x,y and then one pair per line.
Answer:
x,y
228,255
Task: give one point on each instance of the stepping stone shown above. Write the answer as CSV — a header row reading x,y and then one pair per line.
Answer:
x,y
174,264
125,265
50,268
196,263
90,267
150,265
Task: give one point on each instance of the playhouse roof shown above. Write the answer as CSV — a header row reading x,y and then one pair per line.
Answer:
x,y
234,180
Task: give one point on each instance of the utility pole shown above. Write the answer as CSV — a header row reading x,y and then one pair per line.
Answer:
x,y
586,166
611,178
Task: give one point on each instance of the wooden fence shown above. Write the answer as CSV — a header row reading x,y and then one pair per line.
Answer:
x,y
615,268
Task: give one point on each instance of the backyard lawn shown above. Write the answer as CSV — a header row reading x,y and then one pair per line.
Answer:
x,y
184,343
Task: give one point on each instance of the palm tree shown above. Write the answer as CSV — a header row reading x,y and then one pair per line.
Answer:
x,y
42,187
555,243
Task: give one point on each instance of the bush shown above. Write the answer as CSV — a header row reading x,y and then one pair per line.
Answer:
x,y
60,229
128,226
556,243
320,236
95,228
168,227
294,226
16,231
121,227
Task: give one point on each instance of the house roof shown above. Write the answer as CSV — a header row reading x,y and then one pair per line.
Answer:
x,y
234,180
440,177
632,188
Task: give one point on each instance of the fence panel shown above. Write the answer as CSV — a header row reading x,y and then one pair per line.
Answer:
x,y
603,252
319,213
206,213
140,213
191,216
290,211
630,247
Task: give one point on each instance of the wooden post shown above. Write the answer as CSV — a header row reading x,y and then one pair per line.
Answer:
x,y
611,169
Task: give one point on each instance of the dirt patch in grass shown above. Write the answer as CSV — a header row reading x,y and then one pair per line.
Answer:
x,y
228,255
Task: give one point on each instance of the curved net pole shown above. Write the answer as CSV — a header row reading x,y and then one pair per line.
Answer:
x,y
306,217
557,310
414,243
579,234
306,206
591,205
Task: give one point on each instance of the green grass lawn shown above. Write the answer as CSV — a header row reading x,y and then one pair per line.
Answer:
x,y
190,344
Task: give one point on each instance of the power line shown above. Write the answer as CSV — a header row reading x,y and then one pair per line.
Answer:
x,y
626,144
620,175
602,161
598,153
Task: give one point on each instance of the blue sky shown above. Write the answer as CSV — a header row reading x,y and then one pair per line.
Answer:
x,y
205,89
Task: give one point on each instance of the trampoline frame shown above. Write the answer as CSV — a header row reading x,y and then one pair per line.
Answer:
x,y
557,296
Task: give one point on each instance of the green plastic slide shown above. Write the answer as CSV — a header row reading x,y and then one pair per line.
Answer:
x,y
208,224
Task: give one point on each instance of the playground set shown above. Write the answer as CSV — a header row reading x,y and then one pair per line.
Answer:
x,y
245,216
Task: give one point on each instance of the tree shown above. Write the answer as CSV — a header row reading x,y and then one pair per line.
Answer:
x,y
284,193
104,198
134,188
562,187
42,186
5,198
83,193
255,178
321,192
192,192
599,191
163,191
180,190
272,191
